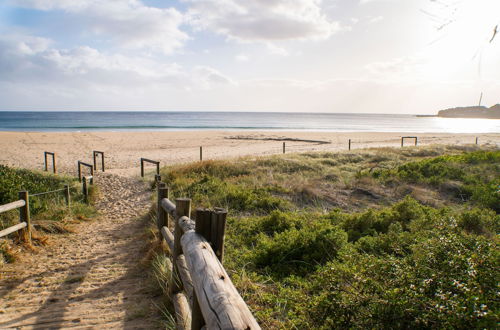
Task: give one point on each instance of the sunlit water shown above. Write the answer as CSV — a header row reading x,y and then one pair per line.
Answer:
x,y
164,121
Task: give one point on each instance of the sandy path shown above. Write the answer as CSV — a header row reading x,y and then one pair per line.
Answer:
x,y
92,279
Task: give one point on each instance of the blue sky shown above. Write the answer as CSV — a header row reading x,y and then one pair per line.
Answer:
x,y
386,56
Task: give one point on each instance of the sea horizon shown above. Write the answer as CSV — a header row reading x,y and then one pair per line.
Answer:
x,y
155,120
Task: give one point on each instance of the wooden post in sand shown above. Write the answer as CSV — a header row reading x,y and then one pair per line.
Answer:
x,y
349,144
182,208
477,140
24,216
53,154
80,164
94,155
201,153
283,147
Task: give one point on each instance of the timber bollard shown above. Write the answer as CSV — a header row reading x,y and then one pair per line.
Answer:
x,y
67,195
24,216
85,190
284,147
477,140
349,144
201,154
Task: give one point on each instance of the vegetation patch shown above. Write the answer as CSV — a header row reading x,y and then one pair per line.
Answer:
x,y
374,239
49,213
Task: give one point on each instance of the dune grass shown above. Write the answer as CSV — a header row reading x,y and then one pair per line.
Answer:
x,y
375,238
49,213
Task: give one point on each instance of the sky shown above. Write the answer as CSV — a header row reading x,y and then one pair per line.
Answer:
x,y
368,56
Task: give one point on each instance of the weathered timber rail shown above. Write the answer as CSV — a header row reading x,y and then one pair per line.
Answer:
x,y
403,138
24,217
145,160
202,293
53,154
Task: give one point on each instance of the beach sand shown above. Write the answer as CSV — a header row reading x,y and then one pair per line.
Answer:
x,y
124,149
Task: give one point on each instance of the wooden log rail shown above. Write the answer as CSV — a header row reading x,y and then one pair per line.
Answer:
x,y
157,163
80,164
95,153
24,217
201,290
408,137
53,154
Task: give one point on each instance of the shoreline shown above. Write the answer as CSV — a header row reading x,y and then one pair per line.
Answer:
x,y
124,149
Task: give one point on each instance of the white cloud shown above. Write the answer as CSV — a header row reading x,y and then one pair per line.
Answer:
x,y
126,23
241,58
31,60
263,20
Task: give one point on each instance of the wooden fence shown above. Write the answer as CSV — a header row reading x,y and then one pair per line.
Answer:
x,y
24,211
80,164
203,296
157,163
94,155
53,154
408,137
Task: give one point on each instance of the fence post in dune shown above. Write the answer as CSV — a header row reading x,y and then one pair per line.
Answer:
x,y
45,161
182,208
218,231
349,144
201,153
67,196
477,140
24,216
203,227
284,147
408,137
162,217
85,190
142,168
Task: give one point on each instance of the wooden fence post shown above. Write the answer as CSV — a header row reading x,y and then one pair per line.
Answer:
x,y
283,147
67,195
416,139
477,140
24,216
182,208
402,142
54,163
201,153
162,216
142,168
79,172
45,157
218,232
202,227
158,168
349,144
85,190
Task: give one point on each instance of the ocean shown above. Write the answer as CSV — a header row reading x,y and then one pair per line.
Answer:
x,y
59,121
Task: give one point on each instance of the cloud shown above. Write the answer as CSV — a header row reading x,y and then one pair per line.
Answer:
x,y
32,61
126,23
262,20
